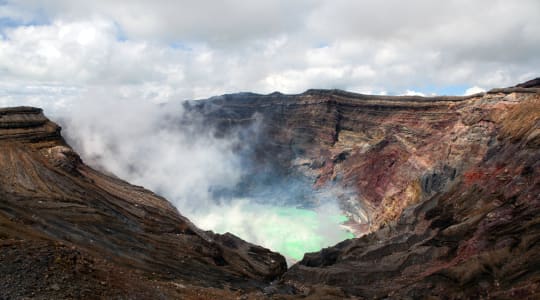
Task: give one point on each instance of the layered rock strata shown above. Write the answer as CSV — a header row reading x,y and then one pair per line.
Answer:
x,y
391,151
68,231
447,189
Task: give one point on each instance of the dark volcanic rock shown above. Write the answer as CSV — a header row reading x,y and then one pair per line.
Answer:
x,y
58,216
533,83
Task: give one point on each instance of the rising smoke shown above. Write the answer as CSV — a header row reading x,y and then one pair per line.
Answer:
x,y
177,155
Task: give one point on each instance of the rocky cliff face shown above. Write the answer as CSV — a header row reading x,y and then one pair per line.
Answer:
x,y
67,230
475,238
392,151
447,187
444,192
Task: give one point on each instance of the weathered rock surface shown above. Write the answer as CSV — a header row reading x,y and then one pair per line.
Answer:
x,y
67,230
447,187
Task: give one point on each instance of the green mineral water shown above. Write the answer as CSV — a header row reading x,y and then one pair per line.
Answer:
x,y
290,231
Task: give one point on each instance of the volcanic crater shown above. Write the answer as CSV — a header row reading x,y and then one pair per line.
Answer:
x,y
442,195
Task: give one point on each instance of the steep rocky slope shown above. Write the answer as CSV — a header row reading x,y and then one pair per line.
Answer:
x,y
444,192
68,231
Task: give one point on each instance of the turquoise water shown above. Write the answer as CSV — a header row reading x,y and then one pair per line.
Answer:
x,y
290,231
302,231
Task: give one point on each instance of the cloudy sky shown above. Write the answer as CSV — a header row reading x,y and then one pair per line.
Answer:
x,y
57,50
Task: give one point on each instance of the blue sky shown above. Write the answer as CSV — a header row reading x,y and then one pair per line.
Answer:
x,y
449,90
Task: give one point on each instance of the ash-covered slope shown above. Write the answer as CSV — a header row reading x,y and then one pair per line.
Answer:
x,y
68,231
447,186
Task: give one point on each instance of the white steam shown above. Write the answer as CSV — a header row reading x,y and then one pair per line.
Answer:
x,y
146,144
178,156
291,231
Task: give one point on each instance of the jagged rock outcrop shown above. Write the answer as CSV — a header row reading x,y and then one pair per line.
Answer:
x,y
68,231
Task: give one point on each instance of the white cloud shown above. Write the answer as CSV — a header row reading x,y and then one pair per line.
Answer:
x,y
221,22
198,49
474,90
413,93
